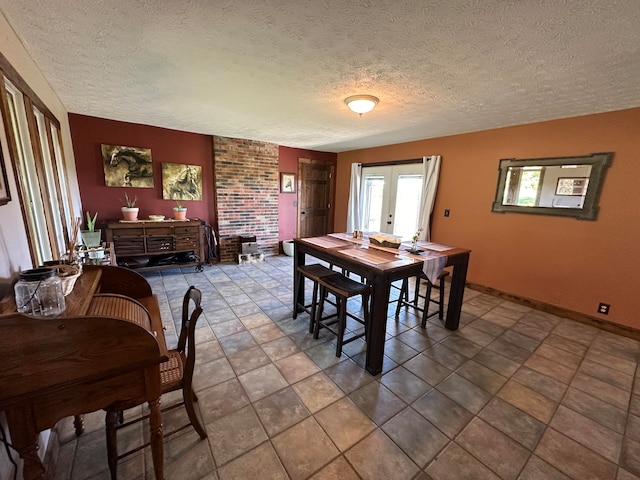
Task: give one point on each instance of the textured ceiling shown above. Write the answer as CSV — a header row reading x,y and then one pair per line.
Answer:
x,y
279,70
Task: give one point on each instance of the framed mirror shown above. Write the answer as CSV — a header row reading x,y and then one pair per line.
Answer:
x,y
563,186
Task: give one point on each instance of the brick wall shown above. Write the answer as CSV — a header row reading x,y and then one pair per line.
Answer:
x,y
246,179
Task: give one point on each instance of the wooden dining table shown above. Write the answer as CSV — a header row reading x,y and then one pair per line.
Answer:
x,y
381,266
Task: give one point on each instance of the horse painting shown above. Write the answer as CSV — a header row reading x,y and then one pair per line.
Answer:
x,y
127,166
181,182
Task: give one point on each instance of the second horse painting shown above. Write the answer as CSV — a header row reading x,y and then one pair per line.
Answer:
x,y
181,182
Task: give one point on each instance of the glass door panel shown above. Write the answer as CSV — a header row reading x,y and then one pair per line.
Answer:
x,y
408,195
391,199
372,198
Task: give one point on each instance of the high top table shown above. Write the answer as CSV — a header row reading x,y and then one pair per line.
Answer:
x,y
381,266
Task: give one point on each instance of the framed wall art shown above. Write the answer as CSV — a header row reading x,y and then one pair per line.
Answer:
x,y
181,182
127,166
5,196
572,186
287,182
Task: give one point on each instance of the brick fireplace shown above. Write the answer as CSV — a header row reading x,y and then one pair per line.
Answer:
x,y
246,179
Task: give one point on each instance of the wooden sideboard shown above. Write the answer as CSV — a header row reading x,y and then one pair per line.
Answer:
x,y
106,347
137,242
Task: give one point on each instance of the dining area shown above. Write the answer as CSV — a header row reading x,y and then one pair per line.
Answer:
x,y
277,403
379,265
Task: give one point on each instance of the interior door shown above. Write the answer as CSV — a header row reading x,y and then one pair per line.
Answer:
x,y
315,212
391,198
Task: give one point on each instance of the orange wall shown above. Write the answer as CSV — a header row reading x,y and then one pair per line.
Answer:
x,y
574,264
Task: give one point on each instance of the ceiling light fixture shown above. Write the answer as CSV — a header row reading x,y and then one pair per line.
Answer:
x,y
361,103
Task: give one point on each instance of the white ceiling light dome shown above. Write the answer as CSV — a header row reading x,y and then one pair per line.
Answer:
x,y
361,103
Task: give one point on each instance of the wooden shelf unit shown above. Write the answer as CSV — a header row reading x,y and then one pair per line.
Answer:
x,y
149,239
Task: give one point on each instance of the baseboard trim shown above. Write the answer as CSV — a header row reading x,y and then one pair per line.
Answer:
x,y
559,311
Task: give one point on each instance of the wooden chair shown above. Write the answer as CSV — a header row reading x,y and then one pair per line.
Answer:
x,y
404,292
342,288
176,374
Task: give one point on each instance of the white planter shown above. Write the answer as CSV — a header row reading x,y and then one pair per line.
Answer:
x,y
91,239
287,247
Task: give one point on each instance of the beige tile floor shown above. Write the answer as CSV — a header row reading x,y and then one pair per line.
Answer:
x,y
513,394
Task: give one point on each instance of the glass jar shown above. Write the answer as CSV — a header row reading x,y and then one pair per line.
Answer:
x,y
39,292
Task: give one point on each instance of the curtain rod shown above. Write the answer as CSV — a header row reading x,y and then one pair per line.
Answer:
x,y
392,162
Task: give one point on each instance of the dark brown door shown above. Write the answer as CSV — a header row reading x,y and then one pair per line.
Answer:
x,y
315,211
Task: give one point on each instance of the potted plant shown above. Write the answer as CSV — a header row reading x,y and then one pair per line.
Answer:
x,y
91,236
130,211
179,212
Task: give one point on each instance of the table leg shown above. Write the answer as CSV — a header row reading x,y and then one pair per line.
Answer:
x,y
456,294
33,468
157,447
375,342
25,441
298,283
111,420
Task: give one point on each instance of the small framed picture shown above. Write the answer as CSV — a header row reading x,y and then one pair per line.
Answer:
x,y
572,186
287,182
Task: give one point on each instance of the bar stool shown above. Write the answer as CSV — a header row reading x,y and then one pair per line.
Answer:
x,y
342,288
313,272
404,292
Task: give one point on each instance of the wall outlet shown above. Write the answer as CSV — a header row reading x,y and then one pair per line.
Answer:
x,y
603,308
446,212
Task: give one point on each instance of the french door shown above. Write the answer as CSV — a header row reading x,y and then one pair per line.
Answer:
x,y
391,199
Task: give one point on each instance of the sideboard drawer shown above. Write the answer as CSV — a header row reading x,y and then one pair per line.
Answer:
x,y
179,230
159,244
129,246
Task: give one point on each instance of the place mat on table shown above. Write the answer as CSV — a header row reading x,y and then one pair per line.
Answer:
x,y
368,255
343,235
348,237
434,246
385,249
325,242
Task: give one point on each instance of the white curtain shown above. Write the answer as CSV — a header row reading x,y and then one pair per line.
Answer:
x,y
430,172
354,209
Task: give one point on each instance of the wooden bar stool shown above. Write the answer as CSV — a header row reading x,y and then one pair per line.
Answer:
x,y
404,292
342,288
313,272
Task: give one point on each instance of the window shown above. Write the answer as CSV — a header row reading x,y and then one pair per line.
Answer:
x,y
36,152
63,187
523,186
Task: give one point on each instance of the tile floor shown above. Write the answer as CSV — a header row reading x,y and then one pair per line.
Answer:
x,y
513,394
